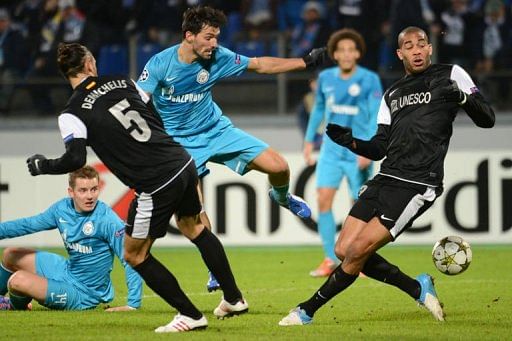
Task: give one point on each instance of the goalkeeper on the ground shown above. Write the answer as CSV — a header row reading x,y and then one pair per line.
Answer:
x,y
92,234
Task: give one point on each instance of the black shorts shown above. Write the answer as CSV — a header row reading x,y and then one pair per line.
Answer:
x,y
395,202
150,213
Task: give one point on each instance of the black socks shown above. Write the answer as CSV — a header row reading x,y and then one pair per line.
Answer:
x,y
217,262
380,269
165,285
375,267
338,281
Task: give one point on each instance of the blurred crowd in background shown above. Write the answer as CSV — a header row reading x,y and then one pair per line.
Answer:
x,y
476,34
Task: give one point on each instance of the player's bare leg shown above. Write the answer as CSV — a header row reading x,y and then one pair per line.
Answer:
x,y
275,166
356,243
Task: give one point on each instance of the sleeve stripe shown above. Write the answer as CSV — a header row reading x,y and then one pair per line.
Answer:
x,y
68,138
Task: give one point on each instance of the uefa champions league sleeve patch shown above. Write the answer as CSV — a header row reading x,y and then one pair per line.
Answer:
x,y
144,75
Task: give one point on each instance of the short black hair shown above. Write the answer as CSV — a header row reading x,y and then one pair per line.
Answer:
x,y
195,18
407,30
346,33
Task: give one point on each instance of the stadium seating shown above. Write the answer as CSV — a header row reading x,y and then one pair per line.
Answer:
x,y
144,52
251,48
113,60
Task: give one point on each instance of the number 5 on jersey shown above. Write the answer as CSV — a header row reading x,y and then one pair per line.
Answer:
x,y
131,121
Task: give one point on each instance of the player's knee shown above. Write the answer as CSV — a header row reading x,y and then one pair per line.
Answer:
x,y
279,166
282,166
17,282
190,227
356,252
324,205
340,251
9,258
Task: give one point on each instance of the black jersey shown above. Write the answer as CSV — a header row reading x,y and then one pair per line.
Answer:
x,y
124,132
415,124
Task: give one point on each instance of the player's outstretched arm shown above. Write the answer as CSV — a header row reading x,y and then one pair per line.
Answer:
x,y
272,65
25,226
74,158
374,149
133,279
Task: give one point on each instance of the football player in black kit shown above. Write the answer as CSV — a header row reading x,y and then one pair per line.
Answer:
x,y
414,129
110,114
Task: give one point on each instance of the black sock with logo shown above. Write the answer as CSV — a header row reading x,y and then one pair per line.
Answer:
x,y
338,281
165,285
378,268
217,262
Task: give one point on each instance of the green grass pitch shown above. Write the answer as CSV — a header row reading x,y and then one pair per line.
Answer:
x,y
478,303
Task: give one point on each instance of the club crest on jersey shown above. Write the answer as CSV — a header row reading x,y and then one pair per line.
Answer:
x,y
354,90
203,76
144,75
394,105
88,228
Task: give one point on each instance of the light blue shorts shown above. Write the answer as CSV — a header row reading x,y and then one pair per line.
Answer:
x,y
62,293
225,144
332,166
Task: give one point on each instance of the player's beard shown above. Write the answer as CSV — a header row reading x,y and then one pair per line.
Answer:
x,y
204,55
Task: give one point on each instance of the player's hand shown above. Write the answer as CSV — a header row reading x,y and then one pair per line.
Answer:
x,y
316,57
121,308
448,90
363,162
307,151
340,135
35,164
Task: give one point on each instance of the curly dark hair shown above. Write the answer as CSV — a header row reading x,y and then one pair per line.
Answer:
x,y
195,18
346,33
71,58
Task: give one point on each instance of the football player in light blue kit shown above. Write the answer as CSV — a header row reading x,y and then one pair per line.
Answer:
x,y
92,234
349,95
180,80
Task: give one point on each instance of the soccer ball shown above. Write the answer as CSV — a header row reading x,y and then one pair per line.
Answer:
x,y
452,255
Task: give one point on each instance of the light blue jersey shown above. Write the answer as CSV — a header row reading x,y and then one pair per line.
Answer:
x,y
182,92
182,96
354,103
91,239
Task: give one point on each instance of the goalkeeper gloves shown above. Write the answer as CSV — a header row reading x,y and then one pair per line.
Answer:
x,y
340,135
316,57
36,164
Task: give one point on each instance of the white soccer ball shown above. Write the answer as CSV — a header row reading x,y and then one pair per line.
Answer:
x,y
452,255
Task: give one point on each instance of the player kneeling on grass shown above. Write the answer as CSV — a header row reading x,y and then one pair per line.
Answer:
x,y
92,234
414,129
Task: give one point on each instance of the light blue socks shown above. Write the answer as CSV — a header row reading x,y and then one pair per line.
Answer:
x,y
327,231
